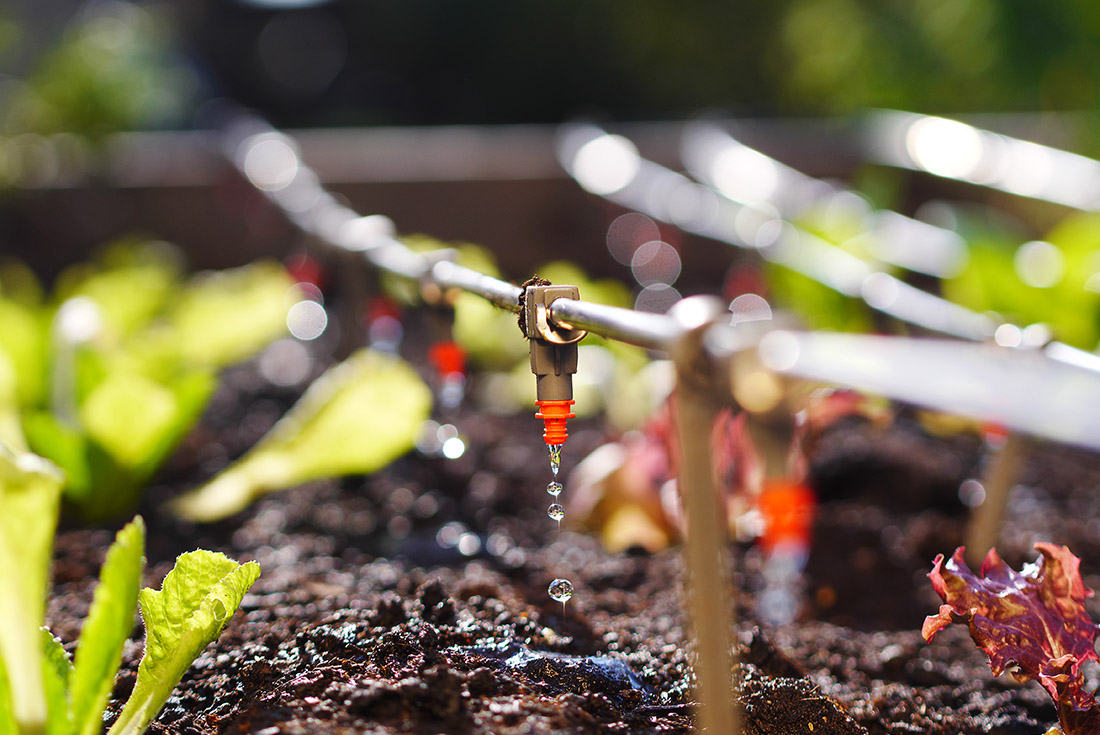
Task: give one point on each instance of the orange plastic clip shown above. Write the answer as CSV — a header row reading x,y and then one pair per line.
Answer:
x,y
554,414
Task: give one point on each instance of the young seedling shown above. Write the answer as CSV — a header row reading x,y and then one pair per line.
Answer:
x,y
1031,623
42,690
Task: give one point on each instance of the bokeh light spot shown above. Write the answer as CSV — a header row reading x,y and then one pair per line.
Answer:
x,y
749,307
657,299
655,262
1008,335
627,233
307,320
945,147
454,448
745,175
1039,264
271,163
286,362
302,52
606,165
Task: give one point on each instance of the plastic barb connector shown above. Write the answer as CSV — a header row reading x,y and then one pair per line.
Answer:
x,y
554,415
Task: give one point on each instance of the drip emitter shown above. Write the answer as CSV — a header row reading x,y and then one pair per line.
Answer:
x,y
553,359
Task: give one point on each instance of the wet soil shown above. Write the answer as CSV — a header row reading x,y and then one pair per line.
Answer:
x,y
370,618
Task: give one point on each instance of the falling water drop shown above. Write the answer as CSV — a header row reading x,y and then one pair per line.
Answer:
x,y
561,590
555,457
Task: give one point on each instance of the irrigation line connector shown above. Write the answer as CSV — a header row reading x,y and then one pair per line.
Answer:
x,y
553,357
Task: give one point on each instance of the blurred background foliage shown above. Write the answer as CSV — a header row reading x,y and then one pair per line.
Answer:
x,y
95,67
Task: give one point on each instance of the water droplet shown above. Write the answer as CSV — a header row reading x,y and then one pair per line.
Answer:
x,y
556,512
555,457
554,488
561,590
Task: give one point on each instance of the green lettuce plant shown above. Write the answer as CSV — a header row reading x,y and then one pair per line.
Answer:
x,y
42,690
107,375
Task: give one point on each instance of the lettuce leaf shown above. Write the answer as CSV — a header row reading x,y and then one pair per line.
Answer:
x,y
30,493
1031,623
194,603
110,622
7,716
10,431
222,317
57,675
356,418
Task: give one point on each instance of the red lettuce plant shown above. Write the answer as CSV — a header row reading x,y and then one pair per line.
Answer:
x,y
1031,623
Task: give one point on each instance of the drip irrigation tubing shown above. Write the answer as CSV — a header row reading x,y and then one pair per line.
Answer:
x,y
1048,393
668,196
270,161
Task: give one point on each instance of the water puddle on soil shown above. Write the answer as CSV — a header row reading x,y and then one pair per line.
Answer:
x,y
568,673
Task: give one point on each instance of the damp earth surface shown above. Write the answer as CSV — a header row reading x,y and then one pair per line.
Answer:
x,y
428,597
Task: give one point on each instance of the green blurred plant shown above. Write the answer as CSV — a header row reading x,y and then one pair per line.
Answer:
x,y
109,374
1053,281
820,306
355,419
112,70
42,689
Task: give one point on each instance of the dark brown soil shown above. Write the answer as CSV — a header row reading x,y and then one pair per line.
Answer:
x,y
362,622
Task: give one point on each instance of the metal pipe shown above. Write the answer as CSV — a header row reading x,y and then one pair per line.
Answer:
x,y
1023,390
977,156
648,187
654,331
493,290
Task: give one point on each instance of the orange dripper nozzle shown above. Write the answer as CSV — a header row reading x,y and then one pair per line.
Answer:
x,y
554,415
787,506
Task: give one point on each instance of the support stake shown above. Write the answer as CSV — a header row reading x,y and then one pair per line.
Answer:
x,y
984,529
710,608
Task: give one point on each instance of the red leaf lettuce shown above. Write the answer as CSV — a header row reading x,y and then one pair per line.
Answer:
x,y
1031,623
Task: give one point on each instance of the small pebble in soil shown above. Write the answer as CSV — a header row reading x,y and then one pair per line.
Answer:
x,y
561,590
554,488
556,512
